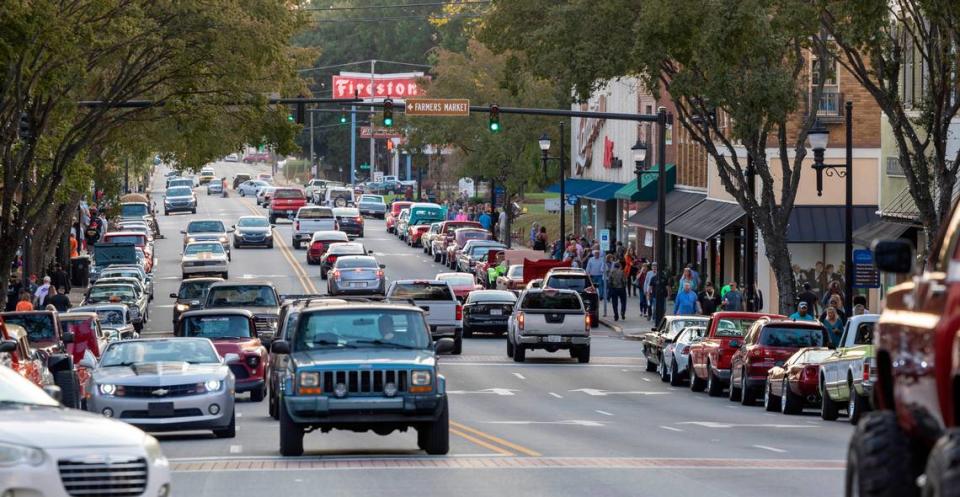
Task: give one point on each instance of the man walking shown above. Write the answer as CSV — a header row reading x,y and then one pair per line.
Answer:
x,y
59,299
686,302
802,313
40,296
649,287
594,268
618,291
733,300
809,298
709,300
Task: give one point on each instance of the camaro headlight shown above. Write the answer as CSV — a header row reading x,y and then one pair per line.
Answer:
x,y
16,455
154,454
212,385
309,380
107,388
420,378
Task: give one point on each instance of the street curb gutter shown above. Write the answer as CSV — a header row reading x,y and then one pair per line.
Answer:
x,y
619,330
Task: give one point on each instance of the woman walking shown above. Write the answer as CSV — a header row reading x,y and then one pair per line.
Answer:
x,y
833,324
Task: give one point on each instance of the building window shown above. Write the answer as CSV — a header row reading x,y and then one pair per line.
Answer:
x,y
825,72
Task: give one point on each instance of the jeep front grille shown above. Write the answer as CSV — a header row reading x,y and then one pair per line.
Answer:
x,y
361,382
107,476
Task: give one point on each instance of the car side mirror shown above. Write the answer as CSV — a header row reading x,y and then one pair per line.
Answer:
x,y
53,391
8,345
173,295
443,346
183,232
68,337
369,251
383,266
231,357
280,347
893,256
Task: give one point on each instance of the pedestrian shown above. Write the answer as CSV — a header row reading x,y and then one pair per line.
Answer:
x,y
638,282
24,304
74,252
833,323
461,216
687,277
59,299
803,312
709,300
534,231
486,222
650,284
540,243
695,275
59,278
832,290
837,305
594,268
686,302
810,298
621,251
502,224
618,293
40,295
630,269
733,300
92,232
608,262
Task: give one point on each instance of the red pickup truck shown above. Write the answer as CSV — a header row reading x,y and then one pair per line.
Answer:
x,y
710,357
286,202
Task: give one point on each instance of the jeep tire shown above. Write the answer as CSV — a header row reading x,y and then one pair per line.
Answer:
x,y
943,467
880,459
434,438
291,434
69,385
257,395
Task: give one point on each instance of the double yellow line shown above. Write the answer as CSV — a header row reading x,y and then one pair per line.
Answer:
x,y
287,253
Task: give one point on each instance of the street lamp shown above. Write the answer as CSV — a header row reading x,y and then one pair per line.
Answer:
x,y
819,137
640,168
544,143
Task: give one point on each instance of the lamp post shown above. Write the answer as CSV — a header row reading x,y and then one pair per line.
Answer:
x,y
544,143
818,137
641,168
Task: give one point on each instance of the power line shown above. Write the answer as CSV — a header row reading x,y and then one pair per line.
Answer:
x,y
397,6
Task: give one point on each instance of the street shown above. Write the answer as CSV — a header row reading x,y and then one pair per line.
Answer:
x,y
547,427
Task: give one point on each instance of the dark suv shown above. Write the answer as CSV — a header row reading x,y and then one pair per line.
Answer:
x,y
576,279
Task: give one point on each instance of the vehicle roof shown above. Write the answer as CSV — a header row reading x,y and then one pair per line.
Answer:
x,y
425,204
745,315
251,217
224,283
466,228
450,274
201,280
346,304
77,316
333,234
552,290
205,220
297,188
124,233
565,271
687,318
353,257
233,311
863,318
344,245
790,323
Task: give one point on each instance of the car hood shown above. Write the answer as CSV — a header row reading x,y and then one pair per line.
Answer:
x,y
53,428
225,347
373,357
159,373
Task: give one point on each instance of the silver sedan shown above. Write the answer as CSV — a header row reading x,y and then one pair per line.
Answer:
x,y
164,384
676,355
356,274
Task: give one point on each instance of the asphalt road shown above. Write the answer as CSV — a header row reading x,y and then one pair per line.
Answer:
x,y
546,427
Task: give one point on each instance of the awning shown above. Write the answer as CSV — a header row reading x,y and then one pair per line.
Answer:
x,y
586,188
824,223
648,188
879,230
705,220
677,203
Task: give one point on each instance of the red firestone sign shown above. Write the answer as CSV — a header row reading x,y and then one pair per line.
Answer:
x,y
401,85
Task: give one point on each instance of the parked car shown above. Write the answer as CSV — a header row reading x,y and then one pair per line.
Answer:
x,y
116,320
106,255
487,311
769,343
190,295
549,319
462,236
138,239
793,385
130,271
846,375
426,241
17,354
309,220
372,205
252,230
446,236
422,215
356,274
676,354
285,203
402,219
233,332
336,250
579,281
45,335
258,297
51,451
665,333
444,312
179,199
395,208
710,357
349,221
204,258
120,293
319,243
472,252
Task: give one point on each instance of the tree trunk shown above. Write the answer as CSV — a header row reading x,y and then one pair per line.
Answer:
x,y
779,257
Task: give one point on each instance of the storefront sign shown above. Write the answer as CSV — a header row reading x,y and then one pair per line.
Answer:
x,y
604,240
399,85
437,107
572,199
865,274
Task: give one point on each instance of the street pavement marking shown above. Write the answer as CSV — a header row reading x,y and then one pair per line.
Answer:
x,y
518,375
712,424
596,392
605,413
494,391
314,463
481,443
535,365
670,428
645,379
771,449
519,448
556,395
574,422
236,449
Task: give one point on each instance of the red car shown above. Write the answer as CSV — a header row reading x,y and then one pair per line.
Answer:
x,y
414,233
768,343
462,283
88,337
710,357
286,202
460,238
233,331
319,243
16,354
793,385
395,209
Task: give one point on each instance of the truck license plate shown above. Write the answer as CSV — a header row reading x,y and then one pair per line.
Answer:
x,y
160,409
554,339
496,312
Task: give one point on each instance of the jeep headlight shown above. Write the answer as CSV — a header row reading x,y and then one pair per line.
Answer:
x,y
420,378
17,455
309,380
183,307
154,454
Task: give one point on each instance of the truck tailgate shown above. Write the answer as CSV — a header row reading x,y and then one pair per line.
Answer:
x,y
538,322
439,312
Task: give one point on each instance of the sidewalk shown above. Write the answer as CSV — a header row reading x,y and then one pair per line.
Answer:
x,y
631,328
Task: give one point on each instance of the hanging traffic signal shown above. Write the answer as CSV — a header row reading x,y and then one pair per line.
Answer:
x,y
494,118
24,130
291,118
343,117
388,113
301,112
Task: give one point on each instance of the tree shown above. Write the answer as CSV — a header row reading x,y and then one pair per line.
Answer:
x,y
192,56
904,52
732,69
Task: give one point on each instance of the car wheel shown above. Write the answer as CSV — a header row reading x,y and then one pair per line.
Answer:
x,y
323,274
770,402
242,194
457,346
790,403
291,434
230,431
519,353
226,276
434,437
856,406
583,354
675,379
733,392
273,219
272,405
696,384
714,387
193,211
258,394
829,410
662,371
650,367
747,397
296,244
880,460
943,479
166,213
69,385
467,331
235,244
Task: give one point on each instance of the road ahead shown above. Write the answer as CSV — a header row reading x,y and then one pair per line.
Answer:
x,y
546,427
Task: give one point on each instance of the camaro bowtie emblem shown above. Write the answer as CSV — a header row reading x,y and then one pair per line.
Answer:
x,y
160,392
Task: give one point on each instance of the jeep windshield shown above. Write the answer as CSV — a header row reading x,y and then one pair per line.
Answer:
x,y
241,295
349,328
39,326
231,326
129,353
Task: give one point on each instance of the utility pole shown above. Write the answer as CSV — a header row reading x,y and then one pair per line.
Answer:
x,y
313,164
661,290
373,141
353,145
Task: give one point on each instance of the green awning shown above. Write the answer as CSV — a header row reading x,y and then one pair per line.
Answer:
x,y
648,189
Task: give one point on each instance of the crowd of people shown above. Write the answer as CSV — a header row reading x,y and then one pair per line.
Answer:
x,y
50,293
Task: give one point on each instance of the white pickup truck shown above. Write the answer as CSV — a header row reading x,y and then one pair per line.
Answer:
x,y
309,220
436,297
549,319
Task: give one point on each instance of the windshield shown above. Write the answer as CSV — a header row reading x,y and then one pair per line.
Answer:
x,y
491,296
398,206
813,356
733,327
560,301
253,222
422,291
346,212
315,213
192,289
357,263
241,295
346,248
111,317
678,325
205,227
103,293
473,235
132,352
515,272
198,248
572,282
137,240
233,326
480,250
133,210
288,193
39,326
425,213
361,328
793,337
113,273
179,191
458,279
15,389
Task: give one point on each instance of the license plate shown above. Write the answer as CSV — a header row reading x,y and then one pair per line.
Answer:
x,y
160,409
554,339
496,312
358,285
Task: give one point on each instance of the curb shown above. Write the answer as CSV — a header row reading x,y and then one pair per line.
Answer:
x,y
619,330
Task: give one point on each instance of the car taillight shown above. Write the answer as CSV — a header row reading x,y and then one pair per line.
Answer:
x,y
810,374
335,274
380,273
359,219
459,312
586,321
331,259
866,371
297,226
521,319
253,361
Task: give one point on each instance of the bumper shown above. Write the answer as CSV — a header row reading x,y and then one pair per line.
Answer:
x,y
448,331
302,237
372,211
283,213
346,287
553,341
484,322
190,412
179,208
45,480
356,411
249,385
263,240
190,270
355,230
722,374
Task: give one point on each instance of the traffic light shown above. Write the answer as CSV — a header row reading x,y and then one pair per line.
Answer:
x,y
301,112
343,117
388,113
25,131
494,118
291,118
